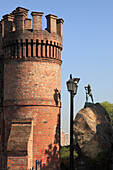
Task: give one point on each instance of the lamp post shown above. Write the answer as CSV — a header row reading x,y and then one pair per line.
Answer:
x,y
72,88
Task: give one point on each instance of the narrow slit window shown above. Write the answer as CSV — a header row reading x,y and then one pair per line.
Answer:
x,y
46,48
17,48
37,48
41,48
32,48
13,49
21,48
50,50
26,47
53,51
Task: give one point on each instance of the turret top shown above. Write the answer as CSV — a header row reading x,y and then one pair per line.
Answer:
x,y
18,21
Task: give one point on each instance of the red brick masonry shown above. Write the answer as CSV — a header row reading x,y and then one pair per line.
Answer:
x,y
30,71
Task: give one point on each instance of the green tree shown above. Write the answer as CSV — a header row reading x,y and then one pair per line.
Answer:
x,y
109,108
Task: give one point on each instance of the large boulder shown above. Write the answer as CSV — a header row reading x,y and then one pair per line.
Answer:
x,y
93,130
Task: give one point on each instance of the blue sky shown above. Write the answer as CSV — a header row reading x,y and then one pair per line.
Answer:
x,y
87,46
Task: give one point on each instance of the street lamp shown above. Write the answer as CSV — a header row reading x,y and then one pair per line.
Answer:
x,y
72,88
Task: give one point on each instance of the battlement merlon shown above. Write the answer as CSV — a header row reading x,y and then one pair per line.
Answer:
x,y
37,20
59,26
51,23
18,21
7,23
20,10
54,24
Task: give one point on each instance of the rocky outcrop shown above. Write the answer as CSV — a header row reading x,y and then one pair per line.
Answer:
x,y
93,130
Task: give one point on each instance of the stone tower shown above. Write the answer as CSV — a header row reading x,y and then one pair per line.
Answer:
x,y
30,80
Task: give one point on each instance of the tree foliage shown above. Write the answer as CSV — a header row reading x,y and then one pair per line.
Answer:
x,y
109,108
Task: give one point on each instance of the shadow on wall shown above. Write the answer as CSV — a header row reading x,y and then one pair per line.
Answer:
x,y
53,151
5,131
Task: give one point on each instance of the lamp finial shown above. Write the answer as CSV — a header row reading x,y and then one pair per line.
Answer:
x,y
70,76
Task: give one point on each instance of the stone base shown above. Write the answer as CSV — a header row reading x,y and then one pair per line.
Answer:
x,y
88,104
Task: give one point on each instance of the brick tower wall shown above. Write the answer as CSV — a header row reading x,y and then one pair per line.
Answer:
x,y
1,95
31,113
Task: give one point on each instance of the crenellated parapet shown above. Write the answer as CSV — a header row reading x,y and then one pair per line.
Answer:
x,y
22,41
